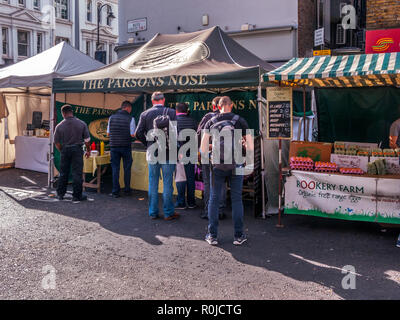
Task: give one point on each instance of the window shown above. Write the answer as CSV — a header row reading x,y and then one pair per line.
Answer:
x,y
61,39
99,13
23,43
88,47
62,9
36,4
109,10
110,53
21,3
39,43
340,34
4,36
89,10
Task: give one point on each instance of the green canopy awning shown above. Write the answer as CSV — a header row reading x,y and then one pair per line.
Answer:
x,y
188,61
364,70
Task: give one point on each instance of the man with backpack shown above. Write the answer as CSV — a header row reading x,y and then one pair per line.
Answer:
x,y
225,125
158,119
205,168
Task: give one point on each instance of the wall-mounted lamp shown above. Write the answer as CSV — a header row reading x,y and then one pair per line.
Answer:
x,y
205,19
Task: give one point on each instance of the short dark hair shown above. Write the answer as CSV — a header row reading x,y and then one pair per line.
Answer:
x,y
182,107
216,100
225,101
126,104
157,96
66,109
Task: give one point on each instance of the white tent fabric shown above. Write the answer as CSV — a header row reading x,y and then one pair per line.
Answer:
x,y
26,87
59,61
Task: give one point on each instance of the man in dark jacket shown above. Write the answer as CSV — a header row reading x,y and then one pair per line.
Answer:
x,y
205,168
146,124
121,130
186,189
69,136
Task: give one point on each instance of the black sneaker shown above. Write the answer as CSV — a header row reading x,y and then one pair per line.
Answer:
x,y
114,195
192,206
398,242
128,192
60,198
211,240
239,240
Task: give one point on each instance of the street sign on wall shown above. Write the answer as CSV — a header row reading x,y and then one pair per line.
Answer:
x,y
322,52
319,37
381,41
137,25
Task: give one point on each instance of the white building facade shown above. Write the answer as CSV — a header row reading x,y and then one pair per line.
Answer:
x,y
26,29
269,29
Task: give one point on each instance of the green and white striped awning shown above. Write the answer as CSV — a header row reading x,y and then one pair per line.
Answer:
x,y
364,70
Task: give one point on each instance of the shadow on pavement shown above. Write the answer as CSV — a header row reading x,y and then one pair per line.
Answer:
x,y
307,249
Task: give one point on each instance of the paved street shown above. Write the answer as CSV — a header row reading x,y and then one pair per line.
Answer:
x,y
110,249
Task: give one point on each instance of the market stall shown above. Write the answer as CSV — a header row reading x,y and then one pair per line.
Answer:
x,y
183,66
25,99
354,179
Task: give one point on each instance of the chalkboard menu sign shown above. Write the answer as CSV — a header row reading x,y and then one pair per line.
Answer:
x,y
279,113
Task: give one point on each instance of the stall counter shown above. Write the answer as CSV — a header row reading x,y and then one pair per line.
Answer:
x,y
348,197
31,153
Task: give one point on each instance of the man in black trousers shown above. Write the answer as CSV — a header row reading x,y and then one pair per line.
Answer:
x,y
121,130
69,137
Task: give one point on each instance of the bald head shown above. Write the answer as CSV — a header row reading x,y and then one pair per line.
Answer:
x,y
225,104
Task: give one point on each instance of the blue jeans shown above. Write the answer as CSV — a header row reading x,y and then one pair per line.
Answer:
x,y
218,180
168,189
116,154
206,173
186,189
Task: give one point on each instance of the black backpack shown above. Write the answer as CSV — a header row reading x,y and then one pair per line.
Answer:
x,y
227,126
162,123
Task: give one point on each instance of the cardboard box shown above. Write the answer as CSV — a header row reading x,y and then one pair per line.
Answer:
x,y
346,161
318,151
392,164
360,144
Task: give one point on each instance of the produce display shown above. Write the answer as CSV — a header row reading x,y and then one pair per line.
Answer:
x,y
351,171
377,152
378,167
301,163
351,150
352,165
326,167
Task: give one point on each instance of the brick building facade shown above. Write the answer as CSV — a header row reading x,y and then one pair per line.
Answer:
x,y
383,14
306,28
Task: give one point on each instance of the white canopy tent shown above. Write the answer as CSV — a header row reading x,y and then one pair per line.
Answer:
x,y
26,87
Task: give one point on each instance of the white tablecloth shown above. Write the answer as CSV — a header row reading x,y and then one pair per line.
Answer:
x,y
31,153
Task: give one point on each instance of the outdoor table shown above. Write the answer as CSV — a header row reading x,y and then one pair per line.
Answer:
x,y
349,197
31,153
93,164
140,175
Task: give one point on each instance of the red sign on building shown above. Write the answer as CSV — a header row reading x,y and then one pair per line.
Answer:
x,y
380,41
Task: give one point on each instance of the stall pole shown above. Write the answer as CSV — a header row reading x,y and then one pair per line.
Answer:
x,y
280,185
304,113
260,122
50,175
